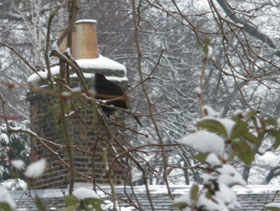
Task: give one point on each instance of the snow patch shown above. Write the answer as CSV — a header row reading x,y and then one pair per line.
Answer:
x,y
213,160
85,193
229,176
18,164
6,198
86,21
204,141
101,63
209,52
14,184
36,169
197,91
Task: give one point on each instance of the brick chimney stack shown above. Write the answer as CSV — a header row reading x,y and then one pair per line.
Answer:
x,y
44,118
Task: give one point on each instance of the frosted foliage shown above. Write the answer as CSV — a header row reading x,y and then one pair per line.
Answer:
x,y
36,169
213,160
14,184
85,193
204,141
229,176
204,202
108,205
227,196
227,123
224,196
184,198
277,205
224,177
237,112
18,164
6,198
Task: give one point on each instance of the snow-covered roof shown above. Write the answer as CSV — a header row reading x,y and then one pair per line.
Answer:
x,y
250,197
89,67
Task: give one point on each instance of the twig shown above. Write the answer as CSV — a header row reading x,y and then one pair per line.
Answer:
x,y
139,52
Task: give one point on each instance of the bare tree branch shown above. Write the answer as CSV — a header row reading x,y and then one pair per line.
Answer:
x,y
248,27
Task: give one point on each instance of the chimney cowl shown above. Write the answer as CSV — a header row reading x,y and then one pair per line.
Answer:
x,y
86,45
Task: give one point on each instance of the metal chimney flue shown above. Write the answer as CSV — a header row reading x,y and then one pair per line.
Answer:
x,y
84,40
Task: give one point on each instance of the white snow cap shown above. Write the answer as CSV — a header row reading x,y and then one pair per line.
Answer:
x,y
100,63
85,193
229,176
197,90
6,198
209,52
86,21
36,169
204,141
18,164
14,184
227,197
213,160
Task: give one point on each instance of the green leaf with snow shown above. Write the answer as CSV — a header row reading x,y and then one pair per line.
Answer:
x,y
277,141
239,129
179,205
71,200
194,192
271,121
93,203
201,157
5,206
209,196
271,208
212,125
251,114
252,138
243,152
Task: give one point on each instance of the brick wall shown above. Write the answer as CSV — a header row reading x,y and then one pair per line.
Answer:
x,y
86,134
